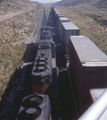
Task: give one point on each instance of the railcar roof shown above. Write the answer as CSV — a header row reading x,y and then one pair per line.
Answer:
x,y
69,26
60,15
63,19
88,53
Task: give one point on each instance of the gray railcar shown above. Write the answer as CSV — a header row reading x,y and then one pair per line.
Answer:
x,y
62,19
35,107
68,29
57,18
46,33
44,44
57,14
89,66
42,71
47,44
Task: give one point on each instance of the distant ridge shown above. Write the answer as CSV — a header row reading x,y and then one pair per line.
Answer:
x,y
73,2
98,3
36,2
102,4
49,4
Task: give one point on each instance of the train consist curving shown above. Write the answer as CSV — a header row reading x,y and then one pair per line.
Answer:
x,y
85,62
42,69
37,106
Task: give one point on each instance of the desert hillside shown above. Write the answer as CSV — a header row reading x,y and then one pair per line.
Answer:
x,y
74,2
101,4
18,19
97,3
9,6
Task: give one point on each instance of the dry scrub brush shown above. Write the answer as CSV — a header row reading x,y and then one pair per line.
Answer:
x,y
23,26
12,54
12,58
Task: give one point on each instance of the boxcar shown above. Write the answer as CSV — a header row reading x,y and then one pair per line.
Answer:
x,y
61,19
89,65
57,18
68,29
57,14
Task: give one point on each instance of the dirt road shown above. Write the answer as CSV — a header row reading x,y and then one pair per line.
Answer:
x,y
7,16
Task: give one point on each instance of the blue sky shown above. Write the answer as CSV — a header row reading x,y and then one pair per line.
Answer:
x,y
46,1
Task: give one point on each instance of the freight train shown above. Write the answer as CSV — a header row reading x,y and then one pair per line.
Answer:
x,y
86,64
37,105
42,69
46,33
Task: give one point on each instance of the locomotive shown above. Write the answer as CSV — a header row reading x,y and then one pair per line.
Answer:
x,y
42,69
34,107
46,33
80,68
37,105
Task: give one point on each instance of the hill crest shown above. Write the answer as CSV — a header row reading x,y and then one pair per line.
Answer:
x,y
97,3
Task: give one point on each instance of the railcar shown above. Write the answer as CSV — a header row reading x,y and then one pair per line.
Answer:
x,y
89,66
61,20
68,29
42,71
57,18
47,44
57,14
46,32
35,107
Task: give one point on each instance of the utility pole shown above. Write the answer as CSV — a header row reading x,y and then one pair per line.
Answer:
x,y
14,27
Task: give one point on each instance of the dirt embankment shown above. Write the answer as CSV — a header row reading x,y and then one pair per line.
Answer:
x,y
12,6
17,24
